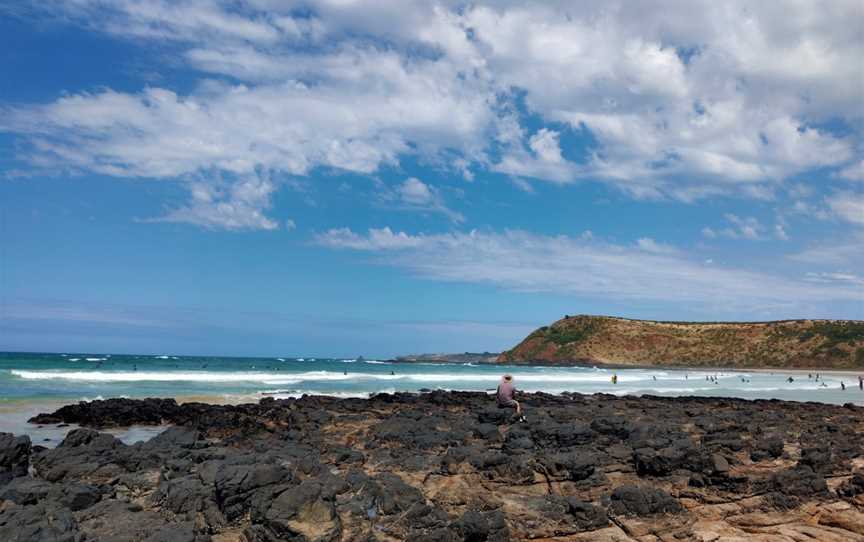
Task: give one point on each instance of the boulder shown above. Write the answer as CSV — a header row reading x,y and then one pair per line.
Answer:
x,y
14,455
766,448
665,461
477,526
303,513
632,500
43,522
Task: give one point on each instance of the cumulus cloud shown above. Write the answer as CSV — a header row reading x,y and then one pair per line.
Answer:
x,y
724,98
236,206
520,261
415,192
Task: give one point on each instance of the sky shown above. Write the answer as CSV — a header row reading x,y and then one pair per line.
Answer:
x,y
342,178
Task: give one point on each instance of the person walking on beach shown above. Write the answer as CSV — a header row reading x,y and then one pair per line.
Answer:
x,y
506,394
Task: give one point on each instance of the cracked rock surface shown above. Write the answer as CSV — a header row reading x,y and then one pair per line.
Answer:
x,y
443,466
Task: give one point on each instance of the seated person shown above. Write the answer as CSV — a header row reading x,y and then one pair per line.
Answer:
x,y
505,395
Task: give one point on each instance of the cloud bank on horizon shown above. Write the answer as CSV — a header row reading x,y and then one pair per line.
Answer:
x,y
667,101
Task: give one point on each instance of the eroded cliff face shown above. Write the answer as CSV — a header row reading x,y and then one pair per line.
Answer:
x,y
603,339
444,467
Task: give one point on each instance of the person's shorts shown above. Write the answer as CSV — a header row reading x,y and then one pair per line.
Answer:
x,y
507,404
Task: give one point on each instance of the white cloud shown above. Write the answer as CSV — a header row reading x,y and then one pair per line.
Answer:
x,y
546,146
717,98
846,251
415,195
748,228
516,260
236,206
650,245
836,277
741,228
848,206
413,191
378,239
854,172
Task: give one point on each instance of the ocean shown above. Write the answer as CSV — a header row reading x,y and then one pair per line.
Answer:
x,y
31,383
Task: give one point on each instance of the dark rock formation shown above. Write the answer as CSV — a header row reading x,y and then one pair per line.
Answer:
x,y
442,467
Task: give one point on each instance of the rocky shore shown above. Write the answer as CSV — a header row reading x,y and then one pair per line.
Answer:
x,y
443,466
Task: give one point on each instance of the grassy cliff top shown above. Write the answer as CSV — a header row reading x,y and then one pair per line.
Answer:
x,y
614,340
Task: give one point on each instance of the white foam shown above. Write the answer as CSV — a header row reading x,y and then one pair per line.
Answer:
x,y
152,376
162,357
95,359
297,394
291,378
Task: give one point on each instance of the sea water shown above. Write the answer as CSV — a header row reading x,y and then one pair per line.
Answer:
x,y
70,377
33,383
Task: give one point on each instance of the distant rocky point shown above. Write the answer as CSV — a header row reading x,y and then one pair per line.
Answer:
x,y
836,344
465,357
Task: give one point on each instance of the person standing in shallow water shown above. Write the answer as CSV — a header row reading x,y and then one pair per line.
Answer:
x,y
506,394
861,383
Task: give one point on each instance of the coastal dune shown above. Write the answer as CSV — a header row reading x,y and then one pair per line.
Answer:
x,y
443,466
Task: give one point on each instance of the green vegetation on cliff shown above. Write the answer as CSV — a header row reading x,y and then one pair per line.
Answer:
x,y
604,339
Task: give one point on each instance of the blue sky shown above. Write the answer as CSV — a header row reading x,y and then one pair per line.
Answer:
x,y
378,178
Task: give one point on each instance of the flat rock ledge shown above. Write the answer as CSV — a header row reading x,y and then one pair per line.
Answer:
x,y
442,466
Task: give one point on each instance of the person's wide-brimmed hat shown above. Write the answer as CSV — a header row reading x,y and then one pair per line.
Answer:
x,y
507,377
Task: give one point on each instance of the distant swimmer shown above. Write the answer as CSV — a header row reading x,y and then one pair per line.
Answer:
x,y
790,380
809,375
861,383
655,378
392,373
842,385
346,372
614,378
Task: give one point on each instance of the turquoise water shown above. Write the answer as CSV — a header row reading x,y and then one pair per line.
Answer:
x,y
27,377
